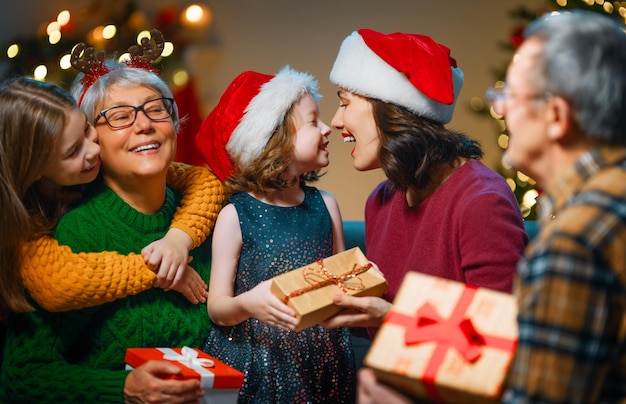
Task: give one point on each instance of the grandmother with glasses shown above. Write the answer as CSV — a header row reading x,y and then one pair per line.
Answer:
x,y
123,116
79,355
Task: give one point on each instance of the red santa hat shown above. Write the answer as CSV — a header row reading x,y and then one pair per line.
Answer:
x,y
409,70
253,106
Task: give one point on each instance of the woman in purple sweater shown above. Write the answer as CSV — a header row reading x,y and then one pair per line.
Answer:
x,y
441,211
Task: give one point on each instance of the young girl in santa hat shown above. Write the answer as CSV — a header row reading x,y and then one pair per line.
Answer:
x,y
266,140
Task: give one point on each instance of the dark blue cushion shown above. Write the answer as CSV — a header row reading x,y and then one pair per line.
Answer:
x,y
354,232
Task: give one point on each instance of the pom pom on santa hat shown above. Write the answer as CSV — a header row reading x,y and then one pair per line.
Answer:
x,y
409,70
249,111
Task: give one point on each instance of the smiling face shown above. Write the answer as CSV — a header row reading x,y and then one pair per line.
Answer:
x,y
75,158
311,140
525,116
144,149
355,119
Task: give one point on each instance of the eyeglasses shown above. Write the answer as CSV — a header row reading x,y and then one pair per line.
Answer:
x,y
499,95
123,116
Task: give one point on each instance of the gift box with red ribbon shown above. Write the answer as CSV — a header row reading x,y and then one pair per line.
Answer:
x,y
446,341
309,290
220,382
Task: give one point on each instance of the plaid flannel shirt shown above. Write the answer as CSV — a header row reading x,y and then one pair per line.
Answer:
x,y
571,290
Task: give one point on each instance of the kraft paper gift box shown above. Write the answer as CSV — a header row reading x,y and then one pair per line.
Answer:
x,y
309,290
220,382
445,341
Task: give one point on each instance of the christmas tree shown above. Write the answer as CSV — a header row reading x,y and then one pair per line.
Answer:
x,y
524,187
114,26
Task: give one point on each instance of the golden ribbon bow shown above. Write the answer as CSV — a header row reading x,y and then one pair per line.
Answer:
x,y
327,278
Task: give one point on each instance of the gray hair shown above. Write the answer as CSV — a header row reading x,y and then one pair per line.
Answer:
x,y
583,60
119,75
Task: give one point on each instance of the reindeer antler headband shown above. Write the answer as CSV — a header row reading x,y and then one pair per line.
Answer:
x,y
84,60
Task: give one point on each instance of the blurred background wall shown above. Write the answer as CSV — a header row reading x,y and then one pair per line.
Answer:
x,y
264,35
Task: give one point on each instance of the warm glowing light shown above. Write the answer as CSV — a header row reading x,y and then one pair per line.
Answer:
x,y
505,163
96,35
40,72
109,31
511,183
52,27
54,37
63,17
142,34
608,8
168,49
477,104
13,51
494,114
522,177
65,63
503,141
124,57
180,78
562,3
530,198
196,15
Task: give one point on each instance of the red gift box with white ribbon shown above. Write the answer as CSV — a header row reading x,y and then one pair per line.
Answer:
x,y
446,341
220,381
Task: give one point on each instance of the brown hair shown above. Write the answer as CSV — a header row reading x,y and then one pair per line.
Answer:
x,y
265,174
414,148
32,117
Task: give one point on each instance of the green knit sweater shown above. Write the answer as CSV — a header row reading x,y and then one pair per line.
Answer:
x,y
78,356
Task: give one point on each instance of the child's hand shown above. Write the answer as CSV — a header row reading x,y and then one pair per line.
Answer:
x,y
267,308
169,257
192,286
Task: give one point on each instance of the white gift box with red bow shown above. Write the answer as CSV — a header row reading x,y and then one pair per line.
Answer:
x,y
220,382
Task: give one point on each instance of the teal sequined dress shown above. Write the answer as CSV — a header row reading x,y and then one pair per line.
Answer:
x,y
314,365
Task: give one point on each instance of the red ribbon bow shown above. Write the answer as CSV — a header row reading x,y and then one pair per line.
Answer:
x,y
459,334
456,331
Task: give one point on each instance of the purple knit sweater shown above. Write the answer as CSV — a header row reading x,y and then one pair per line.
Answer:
x,y
469,230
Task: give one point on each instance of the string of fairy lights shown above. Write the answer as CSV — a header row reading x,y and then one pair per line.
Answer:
x,y
523,186
48,57
192,16
609,7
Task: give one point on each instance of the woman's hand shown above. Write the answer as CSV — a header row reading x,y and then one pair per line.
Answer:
x,y
143,385
364,311
192,286
169,257
370,391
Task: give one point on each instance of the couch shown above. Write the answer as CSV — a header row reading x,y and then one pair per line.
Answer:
x,y
354,232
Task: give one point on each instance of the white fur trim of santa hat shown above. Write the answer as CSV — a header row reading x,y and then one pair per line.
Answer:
x,y
267,111
391,74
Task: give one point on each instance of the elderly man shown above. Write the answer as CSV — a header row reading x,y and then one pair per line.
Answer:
x,y
565,108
